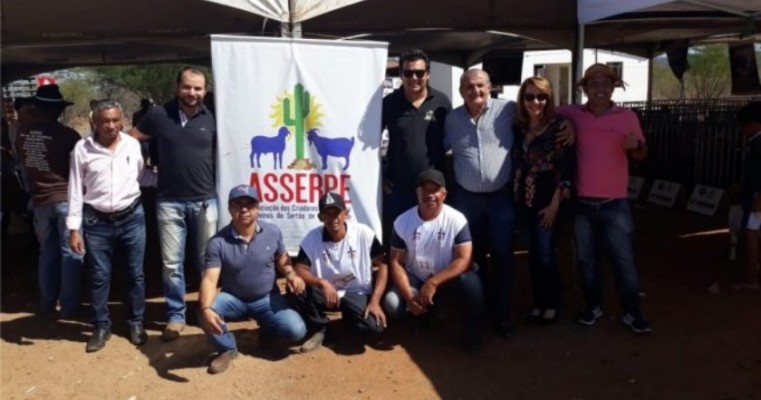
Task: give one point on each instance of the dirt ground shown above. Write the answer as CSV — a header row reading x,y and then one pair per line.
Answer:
x,y
703,346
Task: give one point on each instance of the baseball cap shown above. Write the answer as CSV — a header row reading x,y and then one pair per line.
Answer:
x,y
242,191
431,175
331,199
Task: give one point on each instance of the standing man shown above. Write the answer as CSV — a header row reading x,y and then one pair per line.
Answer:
x,y
608,136
145,106
414,116
43,146
431,253
749,120
480,135
183,137
242,259
336,261
104,200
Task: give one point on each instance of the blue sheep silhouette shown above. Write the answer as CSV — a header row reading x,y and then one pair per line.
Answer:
x,y
266,144
335,147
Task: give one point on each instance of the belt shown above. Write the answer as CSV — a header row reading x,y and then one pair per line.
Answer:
x,y
594,200
507,188
118,215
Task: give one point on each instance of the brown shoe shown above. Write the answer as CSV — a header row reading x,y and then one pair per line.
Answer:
x,y
172,331
222,362
314,342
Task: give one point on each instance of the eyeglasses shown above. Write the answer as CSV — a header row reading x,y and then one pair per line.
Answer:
x,y
418,73
539,96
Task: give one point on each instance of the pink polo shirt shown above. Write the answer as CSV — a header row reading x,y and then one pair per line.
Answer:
x,y
602,162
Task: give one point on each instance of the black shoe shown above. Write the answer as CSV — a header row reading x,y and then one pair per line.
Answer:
x,y
533,317
137,335
98,340
471,343
504,329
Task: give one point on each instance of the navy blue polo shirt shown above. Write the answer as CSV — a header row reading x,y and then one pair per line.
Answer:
x,y
248,269
415,136
184,154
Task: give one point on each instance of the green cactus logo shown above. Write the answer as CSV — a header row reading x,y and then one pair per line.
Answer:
x,y
298,111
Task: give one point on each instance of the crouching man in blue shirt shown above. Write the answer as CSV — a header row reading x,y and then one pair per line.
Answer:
x,y
242,258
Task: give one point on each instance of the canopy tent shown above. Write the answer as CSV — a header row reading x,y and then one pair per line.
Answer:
x,y
641,26
42,35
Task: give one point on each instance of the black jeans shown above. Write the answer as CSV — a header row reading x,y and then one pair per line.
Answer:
x,y
312,306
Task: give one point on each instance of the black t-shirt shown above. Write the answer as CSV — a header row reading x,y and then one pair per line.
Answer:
x,y
184,155
752,171
415,136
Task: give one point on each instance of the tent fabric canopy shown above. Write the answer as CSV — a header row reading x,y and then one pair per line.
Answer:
x,y
595,10
279,10
44,35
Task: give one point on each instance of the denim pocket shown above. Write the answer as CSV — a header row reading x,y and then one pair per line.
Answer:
x,y
89,217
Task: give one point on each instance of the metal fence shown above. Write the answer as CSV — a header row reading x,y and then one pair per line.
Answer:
x,y
693,142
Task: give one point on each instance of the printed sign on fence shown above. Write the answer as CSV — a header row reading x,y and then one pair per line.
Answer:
x,y
635,187
664,193
705,200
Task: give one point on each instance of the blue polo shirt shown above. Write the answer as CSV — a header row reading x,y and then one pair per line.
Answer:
x,y
184,154
248,269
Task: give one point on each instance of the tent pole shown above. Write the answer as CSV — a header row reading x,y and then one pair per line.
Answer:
x,y
291,29
578,62
650,57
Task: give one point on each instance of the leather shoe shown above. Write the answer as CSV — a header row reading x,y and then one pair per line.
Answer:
x,y
137,335
222,362
98,340
172,331
504,329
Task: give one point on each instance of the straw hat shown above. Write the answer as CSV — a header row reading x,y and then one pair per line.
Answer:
x,y
600,71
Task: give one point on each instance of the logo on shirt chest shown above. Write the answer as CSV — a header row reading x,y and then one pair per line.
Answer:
x,y
429,116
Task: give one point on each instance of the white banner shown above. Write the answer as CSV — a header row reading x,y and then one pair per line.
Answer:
x,y
297,118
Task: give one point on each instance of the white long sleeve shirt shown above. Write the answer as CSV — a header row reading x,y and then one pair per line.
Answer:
x,y
107,181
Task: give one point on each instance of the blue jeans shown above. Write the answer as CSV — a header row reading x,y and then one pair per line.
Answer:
x,y
545,276
491,218
466,289
607,224
105,238
271,312
178,222
59,269
394,204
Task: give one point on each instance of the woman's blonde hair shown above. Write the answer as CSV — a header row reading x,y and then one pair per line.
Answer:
x,y
522,119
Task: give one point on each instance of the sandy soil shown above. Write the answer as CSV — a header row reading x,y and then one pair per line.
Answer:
x,y
703,346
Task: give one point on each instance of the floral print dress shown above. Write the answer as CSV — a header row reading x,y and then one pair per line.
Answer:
x,y
542,166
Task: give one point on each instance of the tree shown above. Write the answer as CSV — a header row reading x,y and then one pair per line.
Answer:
x,y
665,84
709,75
155,81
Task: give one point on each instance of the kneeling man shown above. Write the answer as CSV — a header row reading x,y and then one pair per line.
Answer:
x,y
431,253
242,258
336,260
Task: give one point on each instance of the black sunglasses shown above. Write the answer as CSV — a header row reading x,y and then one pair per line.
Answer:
x,y
419,73
539,96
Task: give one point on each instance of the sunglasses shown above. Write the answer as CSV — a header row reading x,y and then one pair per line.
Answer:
x,y
539,96
418,73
